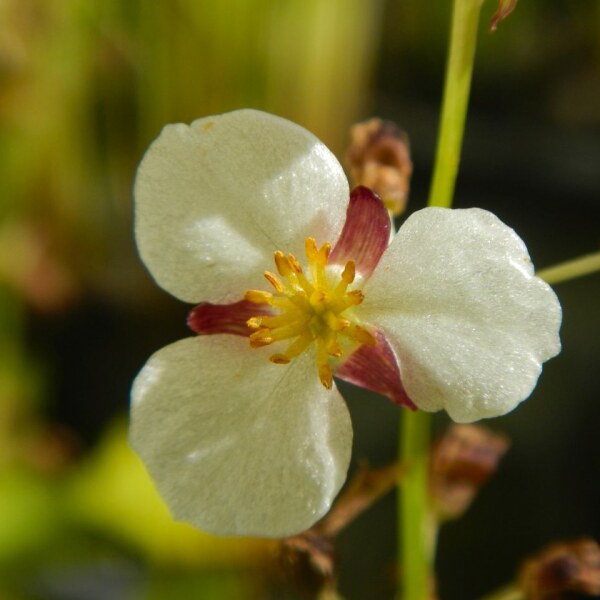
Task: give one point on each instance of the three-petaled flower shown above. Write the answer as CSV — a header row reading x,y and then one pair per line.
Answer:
x,y
243,429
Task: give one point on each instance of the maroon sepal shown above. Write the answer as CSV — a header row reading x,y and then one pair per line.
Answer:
x,y
207,319
375,368
366,232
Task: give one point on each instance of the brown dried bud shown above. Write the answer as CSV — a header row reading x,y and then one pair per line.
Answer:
x,y
505,7
563,569
379,158
461,462
307,562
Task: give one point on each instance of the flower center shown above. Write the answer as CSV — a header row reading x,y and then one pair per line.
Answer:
x,y
314,307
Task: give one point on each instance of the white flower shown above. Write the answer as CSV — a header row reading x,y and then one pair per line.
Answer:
x,y
254,438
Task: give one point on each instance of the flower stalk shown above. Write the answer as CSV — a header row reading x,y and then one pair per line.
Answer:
x,y
459,68
417,527
578,267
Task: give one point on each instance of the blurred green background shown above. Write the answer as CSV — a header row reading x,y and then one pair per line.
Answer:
x,y
85,85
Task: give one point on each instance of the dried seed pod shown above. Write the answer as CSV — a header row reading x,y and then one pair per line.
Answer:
x,y
505,7
563,569
307,560
461,462
379,158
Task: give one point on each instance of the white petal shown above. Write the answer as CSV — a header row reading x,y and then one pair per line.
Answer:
x,y
458,301
235,444
215,199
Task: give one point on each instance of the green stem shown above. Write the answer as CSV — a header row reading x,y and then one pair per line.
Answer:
x,y
584,265
459,68
417,529
415,524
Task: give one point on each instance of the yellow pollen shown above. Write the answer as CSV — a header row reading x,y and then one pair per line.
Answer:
x,y
312,307
254,322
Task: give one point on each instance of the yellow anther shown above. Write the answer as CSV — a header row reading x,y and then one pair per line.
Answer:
x,y
355,297
294,263
310,247
334,349
289,330
258,297
312,308
323,255
300,277
272,279
326,376
283,264
349,272
279,359
261,338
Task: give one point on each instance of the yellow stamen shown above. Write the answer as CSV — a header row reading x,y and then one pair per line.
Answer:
x,y
286,332
274,281
331,345
349,272
300,277
317,259
316,307
355,297
326,375
254,322
318,297
324,252
280,320
299,345
336,323
279,359
335,350
310,247
294,264
258,297
283,265
261,338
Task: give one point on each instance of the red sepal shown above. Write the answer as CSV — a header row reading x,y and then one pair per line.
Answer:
x,y
208,319
375,368
366,232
